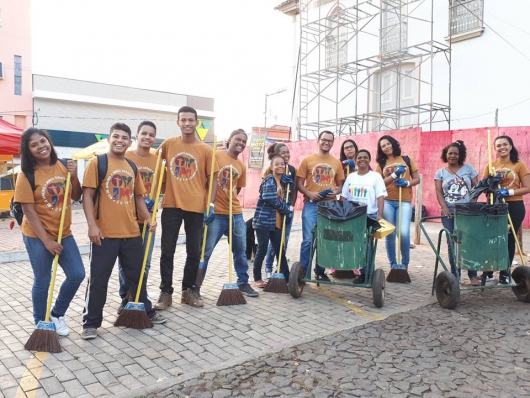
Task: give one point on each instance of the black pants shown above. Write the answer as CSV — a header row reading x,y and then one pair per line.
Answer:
x,y
171,221
130,253
264,237
517,212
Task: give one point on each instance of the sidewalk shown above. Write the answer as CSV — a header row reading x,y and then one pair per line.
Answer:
x,y
129,362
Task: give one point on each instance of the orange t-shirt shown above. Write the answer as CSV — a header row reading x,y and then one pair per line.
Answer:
x,y
392,189
239,180
320,172
117,217
146,168
188,168
48,199
511,174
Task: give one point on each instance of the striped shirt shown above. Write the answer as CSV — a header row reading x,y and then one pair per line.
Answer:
x,y
268,203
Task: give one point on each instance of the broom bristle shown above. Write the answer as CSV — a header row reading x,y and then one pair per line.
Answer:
x,y
231,295
134,316
339,274
398,275
276,284
44,338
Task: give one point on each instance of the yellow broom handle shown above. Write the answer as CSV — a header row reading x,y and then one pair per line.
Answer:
x,y
399,227
158,159
490,162
210,186
230,228
59,240
284,222
150,235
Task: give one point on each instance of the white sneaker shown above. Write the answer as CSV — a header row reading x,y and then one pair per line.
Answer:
x,y
268,275
60,325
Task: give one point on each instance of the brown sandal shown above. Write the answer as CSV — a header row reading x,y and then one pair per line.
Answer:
x,y
259,284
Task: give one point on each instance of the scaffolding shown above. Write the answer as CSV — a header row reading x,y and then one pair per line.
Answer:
x,y
358,74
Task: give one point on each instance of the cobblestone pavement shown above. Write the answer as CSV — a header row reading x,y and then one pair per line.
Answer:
x,y
130,362
481,349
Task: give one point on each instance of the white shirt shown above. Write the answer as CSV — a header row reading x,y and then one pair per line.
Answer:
x,y
364,189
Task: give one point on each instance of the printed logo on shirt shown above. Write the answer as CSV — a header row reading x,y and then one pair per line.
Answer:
x,y
148,176
223,177
509,178
323,174
119,187
390,168
183,166
358,191
52,192
456,190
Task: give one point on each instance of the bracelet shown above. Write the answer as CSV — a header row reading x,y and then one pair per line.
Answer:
x,y
393,175
408,184
511,192
212,205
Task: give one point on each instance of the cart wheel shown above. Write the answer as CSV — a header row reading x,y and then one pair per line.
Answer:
x,y
378,288
521,276
447,290
296,280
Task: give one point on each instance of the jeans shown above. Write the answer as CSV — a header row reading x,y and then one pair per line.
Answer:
x,y
449,224
124,286
41,261
309,221
390,213
172,219
219,227
270,250
274,237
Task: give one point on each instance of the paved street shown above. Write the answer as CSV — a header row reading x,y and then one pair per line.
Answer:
x,y
130,362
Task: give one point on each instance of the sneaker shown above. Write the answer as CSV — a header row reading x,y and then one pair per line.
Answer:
x,y
164,300
268,275
158,319
60,325
247,289
197,292
359,279
503,280
489,276
187,297
123,303
474,281
89,334
322,277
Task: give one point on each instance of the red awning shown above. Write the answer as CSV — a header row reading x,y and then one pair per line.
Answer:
x,y
6,127
9,138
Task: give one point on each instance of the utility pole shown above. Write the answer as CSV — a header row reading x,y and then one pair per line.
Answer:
x,y
267,96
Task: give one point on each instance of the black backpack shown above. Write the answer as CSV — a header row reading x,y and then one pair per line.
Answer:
x,y
103,165
16,208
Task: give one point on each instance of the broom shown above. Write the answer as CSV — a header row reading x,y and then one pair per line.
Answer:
x,y
158,159
276,283
201,272
398,273
44,337
134,315
230,295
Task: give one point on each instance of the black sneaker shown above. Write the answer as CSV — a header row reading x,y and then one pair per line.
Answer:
x,y
247,289
322,277
359,280
124,302
158,319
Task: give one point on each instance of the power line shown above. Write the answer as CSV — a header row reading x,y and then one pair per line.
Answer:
x,y
508,23
489,113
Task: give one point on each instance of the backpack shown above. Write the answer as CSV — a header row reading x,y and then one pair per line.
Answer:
x,y
103,165
405,158
16,208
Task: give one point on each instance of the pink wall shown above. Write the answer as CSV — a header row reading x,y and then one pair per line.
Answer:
x,y
424,147
15,39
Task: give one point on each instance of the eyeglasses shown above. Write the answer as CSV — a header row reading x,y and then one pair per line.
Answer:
x,y
347,148
326,140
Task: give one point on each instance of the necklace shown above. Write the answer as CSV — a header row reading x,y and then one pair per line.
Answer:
x,y
453,171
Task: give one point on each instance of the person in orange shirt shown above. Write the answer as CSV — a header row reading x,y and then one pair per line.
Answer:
x,y
219,226
188,162
320,177
146,163
113,228
40,226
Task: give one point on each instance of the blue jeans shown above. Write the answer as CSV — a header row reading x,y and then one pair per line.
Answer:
x,y
309,221
449,224
219,227
390,213
41,261
124,286
270,250
274,237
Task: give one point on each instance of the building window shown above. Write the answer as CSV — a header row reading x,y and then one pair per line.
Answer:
x,y
336,40
466,16
408,84
394,29
18,75
386,88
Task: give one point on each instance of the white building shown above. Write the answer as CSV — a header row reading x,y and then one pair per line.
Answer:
x,y
373,65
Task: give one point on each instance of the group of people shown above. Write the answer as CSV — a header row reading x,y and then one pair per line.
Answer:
x,y
117,208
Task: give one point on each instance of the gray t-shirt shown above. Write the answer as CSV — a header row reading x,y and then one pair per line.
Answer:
x,y
456,187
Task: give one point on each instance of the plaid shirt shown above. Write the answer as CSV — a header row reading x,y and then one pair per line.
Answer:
x,y
268,203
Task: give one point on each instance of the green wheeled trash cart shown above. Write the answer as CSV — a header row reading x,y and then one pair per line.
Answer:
x,y
479,242
343,240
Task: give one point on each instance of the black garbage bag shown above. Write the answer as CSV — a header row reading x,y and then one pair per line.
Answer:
x,y
341,210
481,209
370,222
487,185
